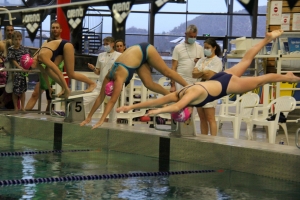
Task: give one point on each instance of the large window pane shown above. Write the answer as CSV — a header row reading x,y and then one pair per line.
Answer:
x,y
215,25
135,39
174,26
142,24
140,7
262,6
238,7
241,26
261,26
207,6
11,3
101,7
93,23
173,7
165,44
107,25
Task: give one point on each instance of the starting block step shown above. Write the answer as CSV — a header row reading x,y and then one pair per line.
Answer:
x,y
74,107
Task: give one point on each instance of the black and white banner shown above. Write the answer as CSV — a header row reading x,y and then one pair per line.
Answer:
x,y
292,3
248,5
120,10
32,22
74,16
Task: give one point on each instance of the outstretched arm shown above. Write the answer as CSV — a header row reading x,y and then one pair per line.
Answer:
x,y
118,84
172,97
98,102
179,105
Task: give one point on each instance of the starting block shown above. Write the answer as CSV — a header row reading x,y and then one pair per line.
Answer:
x,y
180,129
74,107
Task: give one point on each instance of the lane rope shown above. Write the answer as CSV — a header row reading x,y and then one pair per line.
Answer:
x,y
100,177
22,153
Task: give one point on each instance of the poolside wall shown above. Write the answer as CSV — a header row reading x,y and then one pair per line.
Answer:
x,y
201,151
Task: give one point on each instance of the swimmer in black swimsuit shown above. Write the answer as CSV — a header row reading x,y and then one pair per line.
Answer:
x,y
137,58
221,84
51,54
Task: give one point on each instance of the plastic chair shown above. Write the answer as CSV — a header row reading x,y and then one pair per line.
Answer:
x,y
135,91
284,104
243,109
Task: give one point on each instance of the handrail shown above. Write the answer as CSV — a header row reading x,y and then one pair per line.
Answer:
x,y
19,70
9,15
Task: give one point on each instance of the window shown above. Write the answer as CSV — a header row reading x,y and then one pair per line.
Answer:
x,y
174,7
241,26
215,25
218,6
140,25
176,26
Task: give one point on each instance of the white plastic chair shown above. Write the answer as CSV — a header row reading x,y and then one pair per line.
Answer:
x,y
165,83
243,110
129,96
284,104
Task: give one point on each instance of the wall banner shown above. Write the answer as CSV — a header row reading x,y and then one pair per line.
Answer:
x,y
74,16
120,10
32,22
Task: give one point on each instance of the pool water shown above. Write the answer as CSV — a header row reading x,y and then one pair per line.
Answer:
x,y
216,185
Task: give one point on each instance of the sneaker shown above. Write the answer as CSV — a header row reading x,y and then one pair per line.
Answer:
x,y
59,113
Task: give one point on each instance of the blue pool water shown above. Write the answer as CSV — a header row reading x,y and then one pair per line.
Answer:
x,y
216,185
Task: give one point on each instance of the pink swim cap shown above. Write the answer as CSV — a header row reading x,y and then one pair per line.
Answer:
x,y
26,61
182,115
109,88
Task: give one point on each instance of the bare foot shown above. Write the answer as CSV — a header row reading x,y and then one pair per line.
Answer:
x,y
91,88
61,93
67,93
292,78
274,34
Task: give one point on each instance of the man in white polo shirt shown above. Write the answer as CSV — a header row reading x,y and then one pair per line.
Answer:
x,y
185,56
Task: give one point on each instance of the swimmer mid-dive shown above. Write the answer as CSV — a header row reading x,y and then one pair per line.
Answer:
x,y
221,84
137,58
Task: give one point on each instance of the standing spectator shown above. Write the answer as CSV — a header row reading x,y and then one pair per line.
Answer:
x,y
8,36
104,62
207,67
6,93
185,55
55,34
120,45
14,55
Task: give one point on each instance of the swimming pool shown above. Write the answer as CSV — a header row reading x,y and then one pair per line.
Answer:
x,y
75,161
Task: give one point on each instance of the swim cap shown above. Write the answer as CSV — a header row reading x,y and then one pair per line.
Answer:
x,y
109,88
26,61
182,115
